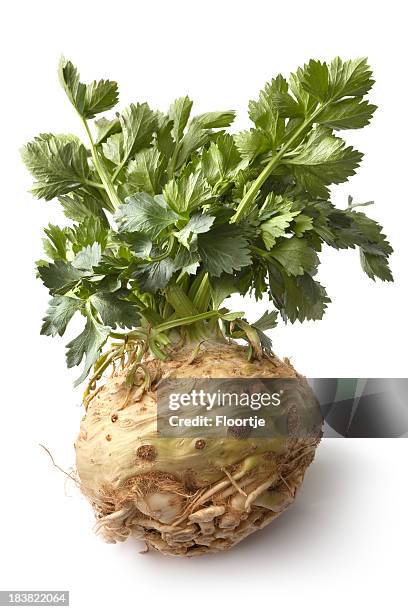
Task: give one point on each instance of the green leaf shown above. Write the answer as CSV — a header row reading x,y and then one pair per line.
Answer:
x,y
58,163
179,113
295,256
224,249
80,205
138,125
88,257
287,106
315,79
113,148
297,297
144,213
215,119
350,78
195,137
221,160
114,311
344,229
251,143
164,139
69,79
303,224
60,276
304,99
275,204
186,261
115,265
89,100
105,128
264,112
139,244
267,321
348,114
100,97
375,266
90,230
367,233
186,193
276,227
323,160
198,224
259,110
60,311
155,275
145,171
55,246
88,344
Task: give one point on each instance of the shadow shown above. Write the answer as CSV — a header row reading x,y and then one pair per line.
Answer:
x,y
314,512
307,525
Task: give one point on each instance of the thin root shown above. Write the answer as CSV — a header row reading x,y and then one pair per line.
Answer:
x,y
234,482
57,466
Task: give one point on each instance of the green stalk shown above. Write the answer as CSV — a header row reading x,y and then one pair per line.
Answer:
x,y
200,291
165,253
186,320
171,168
103,175
93,184
188,315
180,301
118,335
118,169
252,192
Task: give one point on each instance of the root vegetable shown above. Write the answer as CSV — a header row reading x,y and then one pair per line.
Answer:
x,y
172,484
169,216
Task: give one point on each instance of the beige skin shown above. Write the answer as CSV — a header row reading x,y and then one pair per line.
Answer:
x,y
185,496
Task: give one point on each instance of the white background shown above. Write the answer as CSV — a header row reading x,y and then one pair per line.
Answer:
x,y
343,544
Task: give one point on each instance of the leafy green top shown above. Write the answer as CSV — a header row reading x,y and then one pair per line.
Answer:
x,y
170,214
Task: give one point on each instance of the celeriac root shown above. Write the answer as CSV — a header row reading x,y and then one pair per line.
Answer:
x,y
184,496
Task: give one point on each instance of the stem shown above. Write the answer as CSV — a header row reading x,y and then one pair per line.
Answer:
x,y
103,175
251,194
93,184
118,335
118,169
120,166
165,253
186,320
264,254
351,206
180,302
200,291
171,168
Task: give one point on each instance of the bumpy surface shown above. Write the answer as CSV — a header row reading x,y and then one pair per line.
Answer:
x,y
185,496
